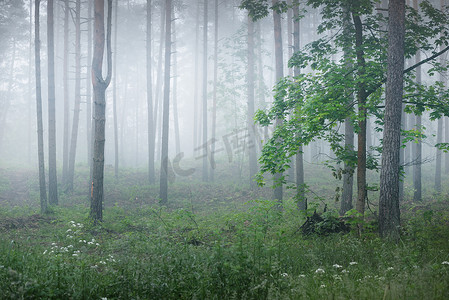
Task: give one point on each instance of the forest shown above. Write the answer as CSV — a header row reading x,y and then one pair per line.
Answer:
x,y
232,149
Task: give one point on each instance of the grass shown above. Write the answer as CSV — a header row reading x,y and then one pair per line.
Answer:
x,y
213,241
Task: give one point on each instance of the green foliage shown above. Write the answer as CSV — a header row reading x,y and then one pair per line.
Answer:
x,y
312,105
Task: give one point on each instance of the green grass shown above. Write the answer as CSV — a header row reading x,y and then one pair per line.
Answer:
x,y
213,242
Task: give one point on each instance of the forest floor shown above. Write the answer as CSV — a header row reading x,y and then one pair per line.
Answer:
x,y
213,241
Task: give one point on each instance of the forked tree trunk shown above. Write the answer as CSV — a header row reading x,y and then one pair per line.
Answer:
x,y
40,127
100,85
77,108
151,175
389,214
163,192
52,177
278,190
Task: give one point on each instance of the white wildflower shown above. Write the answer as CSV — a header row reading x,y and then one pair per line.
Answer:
x,y
445,262
75,254
97,244
390,268
45,252
301,276
53,244
322,286
337,277
70,246
102,262
284,274
337,266
70,236
90,243
319,270
352,263
69,230
344,271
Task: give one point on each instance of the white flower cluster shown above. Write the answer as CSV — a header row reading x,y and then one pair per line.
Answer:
x,y
55,249
76,229
91,242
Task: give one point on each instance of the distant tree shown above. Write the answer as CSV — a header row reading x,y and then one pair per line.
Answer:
x,y
40,127
214,97
77,107
163,192
250,113
204,117
99,86
65,75
278,190
151,174
52,177
89,86
389,213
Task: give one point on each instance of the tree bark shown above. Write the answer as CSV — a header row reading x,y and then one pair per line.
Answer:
x,y
389,213
362,114
52,177
77,108
278,190
299,159
163,192
151,174
439,160
175,89
157,114
40,127
89,86
348,178
195,84
100,85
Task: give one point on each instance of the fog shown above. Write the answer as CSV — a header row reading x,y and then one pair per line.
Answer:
x,y
18,142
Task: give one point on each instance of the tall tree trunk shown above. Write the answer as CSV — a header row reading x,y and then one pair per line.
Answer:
x,y
175,89
261,82
439,160
446,140
299,159
100,85
65,139
206,149
89,86
361,100
151,174
40,126
389,214
157,115
76,112
250,114
163,192
278,190
114,95
6,105
214,97
196,126
417,146
52,177
292,170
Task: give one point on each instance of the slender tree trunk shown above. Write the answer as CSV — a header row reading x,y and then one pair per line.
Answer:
x,y
439,160
250,114
114,95
417,146
175,89
52,178
446,138
100,85
40,127
402,155
361,99
196,81
163,193
76,112
65,143
206,149
151,174
214,97
261,82
157,115
278,190
89,85
389,213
